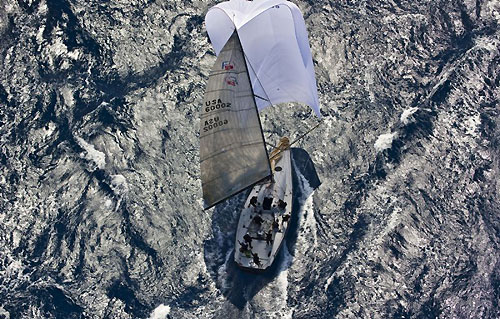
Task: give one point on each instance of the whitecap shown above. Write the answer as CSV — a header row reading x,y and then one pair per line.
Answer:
x,y
119,184
384,141
406,116
161,312
99,158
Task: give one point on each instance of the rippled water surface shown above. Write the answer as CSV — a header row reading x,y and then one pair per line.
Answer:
x,y
396,213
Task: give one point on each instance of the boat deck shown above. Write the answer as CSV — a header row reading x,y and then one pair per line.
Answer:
x,y
264,220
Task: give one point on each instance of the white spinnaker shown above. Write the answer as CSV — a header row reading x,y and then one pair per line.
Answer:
x,y
274,38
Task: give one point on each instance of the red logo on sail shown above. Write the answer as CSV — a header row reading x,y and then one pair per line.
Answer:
x,y
227,65
231,80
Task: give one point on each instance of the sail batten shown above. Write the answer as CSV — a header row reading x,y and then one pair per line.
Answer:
x,y
233,155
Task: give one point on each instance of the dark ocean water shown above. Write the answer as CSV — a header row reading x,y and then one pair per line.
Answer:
x,y
397,205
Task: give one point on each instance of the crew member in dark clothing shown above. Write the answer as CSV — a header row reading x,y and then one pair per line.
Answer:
x,y
276,225
253,201
248,240
258,220
269,237
244,247
281,204
286,218
256,259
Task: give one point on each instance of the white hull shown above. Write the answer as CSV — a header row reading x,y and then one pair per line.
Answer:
x,y
275,213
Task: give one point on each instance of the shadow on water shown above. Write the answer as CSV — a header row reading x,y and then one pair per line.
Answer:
x,y
237,285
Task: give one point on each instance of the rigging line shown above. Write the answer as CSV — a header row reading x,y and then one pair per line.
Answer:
x,y
262,98
297,139
253,70
251,88
260,83
262,86
273,146
304,135
268,100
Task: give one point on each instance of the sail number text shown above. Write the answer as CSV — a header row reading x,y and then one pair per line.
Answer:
x,y
214,123
215,104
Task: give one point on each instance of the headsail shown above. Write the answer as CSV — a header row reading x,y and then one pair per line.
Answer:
x,y
233,155
274,38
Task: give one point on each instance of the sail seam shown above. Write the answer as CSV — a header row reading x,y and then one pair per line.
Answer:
x,y
223,111
225,72
229,149
230,90
226,129
234,193
232,171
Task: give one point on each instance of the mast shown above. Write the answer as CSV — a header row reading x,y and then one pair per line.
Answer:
x,y
247,62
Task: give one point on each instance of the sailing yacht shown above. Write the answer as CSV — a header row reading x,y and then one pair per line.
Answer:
x,y
263,59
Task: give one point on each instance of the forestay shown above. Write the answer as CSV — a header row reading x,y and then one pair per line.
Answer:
x,y
274,38
233,155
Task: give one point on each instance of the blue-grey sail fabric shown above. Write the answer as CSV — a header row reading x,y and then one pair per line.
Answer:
x,y
276,46
233,155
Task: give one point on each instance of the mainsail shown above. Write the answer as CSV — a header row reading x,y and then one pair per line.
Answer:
x,y
233,154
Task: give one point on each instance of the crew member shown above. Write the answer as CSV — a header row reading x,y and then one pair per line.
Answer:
x,y
248,240
256,259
